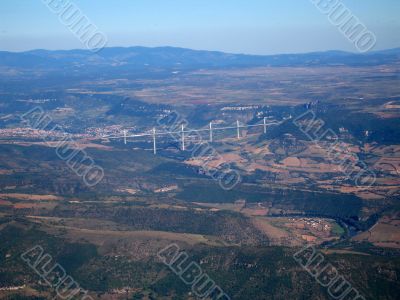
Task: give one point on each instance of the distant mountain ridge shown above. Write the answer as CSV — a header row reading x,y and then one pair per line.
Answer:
x,y
181,58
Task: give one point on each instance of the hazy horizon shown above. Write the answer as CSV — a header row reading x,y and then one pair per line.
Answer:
x,y
209,50
199,149
258,27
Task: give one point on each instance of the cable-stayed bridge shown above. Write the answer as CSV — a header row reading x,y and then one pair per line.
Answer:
x,y
184,133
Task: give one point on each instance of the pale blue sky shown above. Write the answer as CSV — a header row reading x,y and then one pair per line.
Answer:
x,y
252,26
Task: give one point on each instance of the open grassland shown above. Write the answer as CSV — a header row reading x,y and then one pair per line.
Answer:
x,y
385,233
